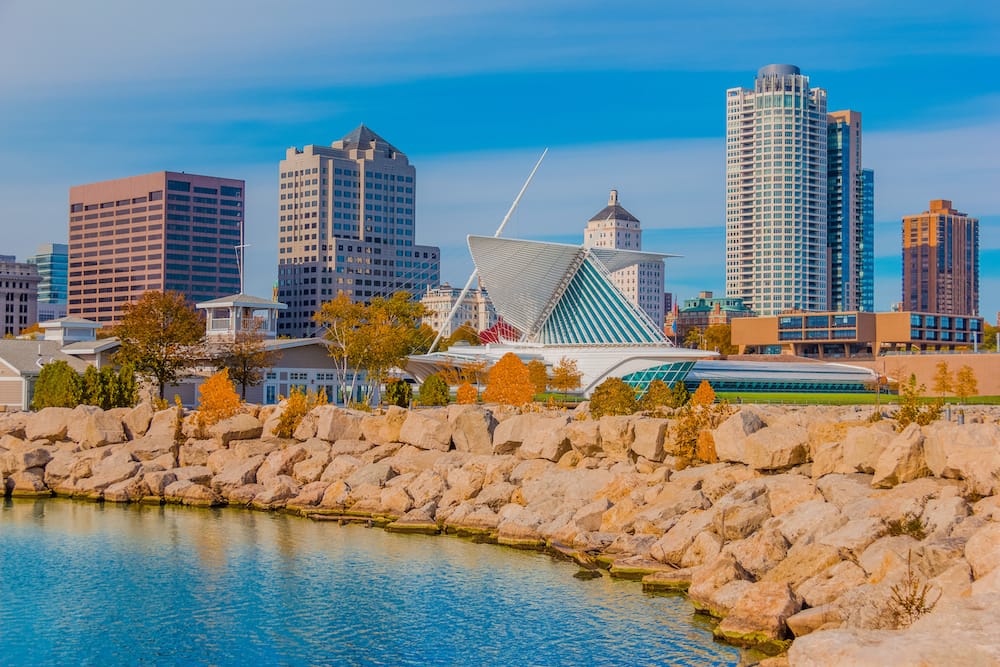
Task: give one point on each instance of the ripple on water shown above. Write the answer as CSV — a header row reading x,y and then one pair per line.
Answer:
x,y
110,585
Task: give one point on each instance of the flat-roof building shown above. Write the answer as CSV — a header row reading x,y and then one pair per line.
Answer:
x,y
161,231
702,312
18,294
941,261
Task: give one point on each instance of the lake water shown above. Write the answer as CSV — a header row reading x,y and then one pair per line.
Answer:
x,y
91,584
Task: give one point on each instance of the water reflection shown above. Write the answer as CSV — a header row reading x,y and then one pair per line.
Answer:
x,y
84,583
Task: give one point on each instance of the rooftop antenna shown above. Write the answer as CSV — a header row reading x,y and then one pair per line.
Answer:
x,y
475,272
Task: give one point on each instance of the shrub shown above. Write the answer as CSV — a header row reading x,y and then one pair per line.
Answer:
x,y
58,386
217,399
297,406
657,395
909,525
692,439
398,392
466,394
912,409
613,397
108,388
910,598
679,395
509,382
539,376
434,391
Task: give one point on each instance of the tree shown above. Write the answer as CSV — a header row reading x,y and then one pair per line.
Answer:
x,y
657,395
58,386
399,393
434,391
466,394
371,339
943,381
566,376
613,397
159,335
720,337
297,406
966,384
539,376
217,399
108,388
911,408
246,358
679,395
509,382
463,334
31,332
694,338
704,394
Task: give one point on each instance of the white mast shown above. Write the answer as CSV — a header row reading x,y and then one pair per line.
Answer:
x,y
472,277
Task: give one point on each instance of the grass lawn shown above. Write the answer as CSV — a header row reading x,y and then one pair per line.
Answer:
x,y
836,399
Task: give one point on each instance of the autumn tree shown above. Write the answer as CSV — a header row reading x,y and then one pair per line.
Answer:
x,y
613,397
539,376
657,395
160,334
966,384
704,394
298,404
988,341
679,394
245,357
466,394
566,377
719,337
694,338
217,399
943,381
434,391
463,334
371,339
509,382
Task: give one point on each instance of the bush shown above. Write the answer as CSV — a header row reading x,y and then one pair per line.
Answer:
x,y
466,394
909,525
539,376
108,388
297,406
217,399
657,395
613,397
58,386
704,394
692,438
679,395
399,393
912,409
509,382
434,391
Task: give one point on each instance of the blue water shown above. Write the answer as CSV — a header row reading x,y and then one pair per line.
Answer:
x,y
89,584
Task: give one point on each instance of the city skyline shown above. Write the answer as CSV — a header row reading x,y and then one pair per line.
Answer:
x,y
472,95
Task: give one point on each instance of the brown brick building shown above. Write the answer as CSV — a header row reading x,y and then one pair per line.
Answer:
x,y
941,261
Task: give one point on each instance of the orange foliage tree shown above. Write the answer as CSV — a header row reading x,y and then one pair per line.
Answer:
x,y
509,382
704,395
539,376
217,399
466,394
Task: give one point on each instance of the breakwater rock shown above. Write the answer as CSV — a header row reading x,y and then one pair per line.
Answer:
x,y
863,543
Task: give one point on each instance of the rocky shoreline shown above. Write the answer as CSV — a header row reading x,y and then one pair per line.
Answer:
x,y
815,525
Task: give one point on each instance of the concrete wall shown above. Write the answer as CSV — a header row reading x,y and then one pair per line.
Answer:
x,y
986,367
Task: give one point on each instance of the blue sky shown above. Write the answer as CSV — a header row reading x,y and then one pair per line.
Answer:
x,y
629,97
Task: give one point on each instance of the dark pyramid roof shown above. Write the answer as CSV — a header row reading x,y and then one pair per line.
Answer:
x,y
614,211
363,137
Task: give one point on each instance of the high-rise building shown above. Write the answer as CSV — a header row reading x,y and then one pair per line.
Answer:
x,y
615,227
941,261
18,294
776,192
476,309
52,260
850,217
346,224
161,231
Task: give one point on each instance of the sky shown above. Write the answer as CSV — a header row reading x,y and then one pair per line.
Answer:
x,y
628,97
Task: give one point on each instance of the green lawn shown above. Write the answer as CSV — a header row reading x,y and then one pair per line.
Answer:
x,y
835,399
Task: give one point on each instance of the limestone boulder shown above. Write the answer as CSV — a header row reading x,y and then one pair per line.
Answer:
x,y
983,550
99,428
335,423
376,474
806,522
720,478
472,428
311,469
941,515
825,616
193,452
827,586
188,493
519,527
902,460
237,473
25,483
281,462
384,428
546,441
163,425
648,437
855,536
496,495
759,618
760,552
802,562
48,424
584,436
678,539
730,437
238,427
776,447
151,446
309,495
131,490
785,492
136,421
617,436
426,432
741,511
717,586
22,455
307,427
158,481
970,452
277,491
863,445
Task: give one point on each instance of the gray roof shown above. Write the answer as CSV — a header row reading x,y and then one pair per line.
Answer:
x,y
614,212
91,346
363,137
241,299
25,356
70,321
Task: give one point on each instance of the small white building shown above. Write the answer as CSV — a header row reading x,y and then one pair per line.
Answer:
x,y
476,309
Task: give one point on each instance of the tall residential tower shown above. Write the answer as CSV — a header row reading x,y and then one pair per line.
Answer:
x,y
346,224
161,231
941,261
615,227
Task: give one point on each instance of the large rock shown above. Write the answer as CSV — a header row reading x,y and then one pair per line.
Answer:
x,y
777,447
831,583
338,424
237,427
803,562
236,474
785,492
674,544
584,436
983,550
761,551
649,434
472,428
855,536
809,520
189,493
384,428
25,483
48,424
136,421
970,452
131,490
163,425
280,462
717,586
426,432
730,437
99,428
863,445
114,468
617,436
741,511
22,455
902,460
544,436
758,619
